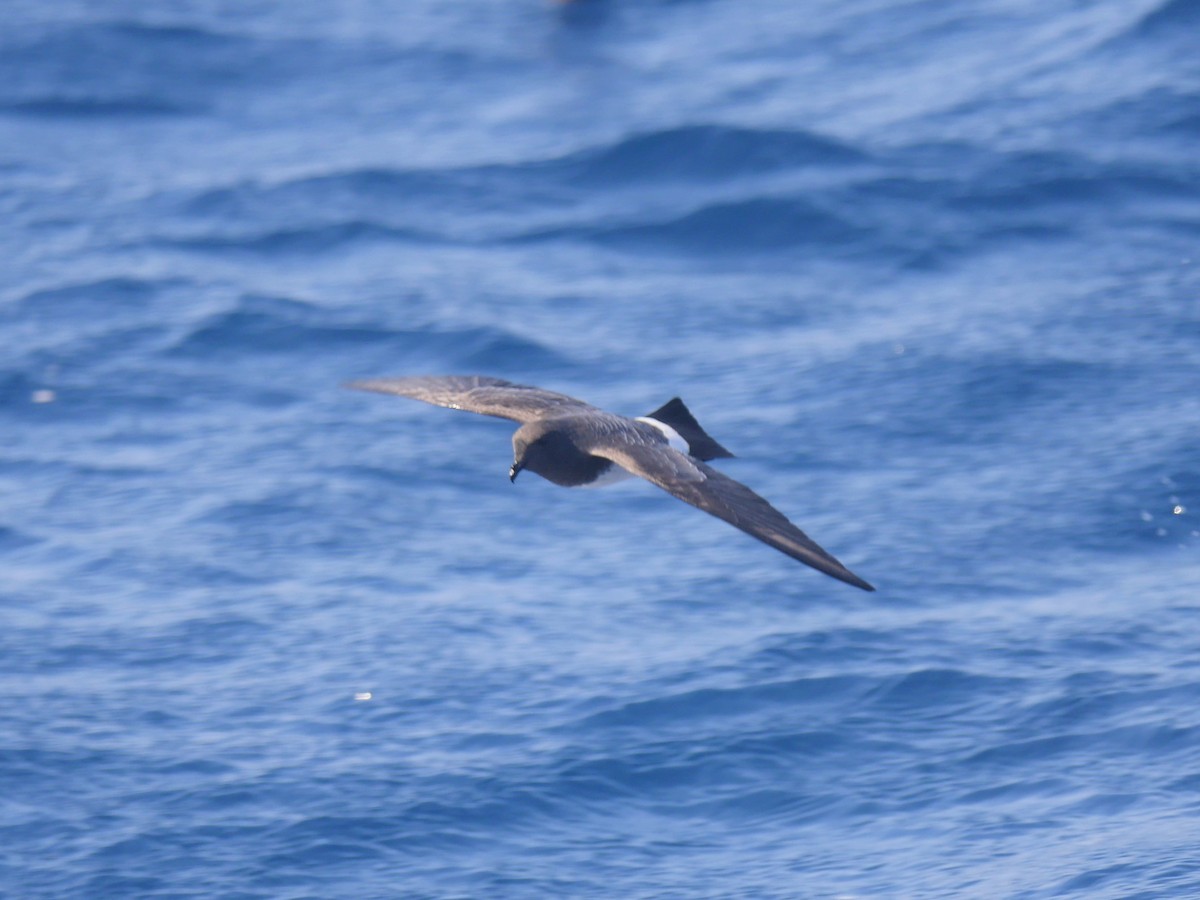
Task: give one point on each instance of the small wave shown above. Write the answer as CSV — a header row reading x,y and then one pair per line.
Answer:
x,y
705,152
757,225
1186,123
98,107
1006,385
168,35
701,153
936,689
1165,109
346,192
273,325
162,70
1017,791
317,238
96,43
204,640
86,298
1127,740
12,539
972,400
706,703
1174,17
1027,180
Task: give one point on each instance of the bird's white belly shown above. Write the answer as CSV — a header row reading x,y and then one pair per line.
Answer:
x,y
615,473
612,475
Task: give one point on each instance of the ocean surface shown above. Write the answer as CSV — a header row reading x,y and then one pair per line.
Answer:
x,y
931,269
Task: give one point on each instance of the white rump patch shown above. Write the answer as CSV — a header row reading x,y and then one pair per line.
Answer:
x,y
673,437
615,473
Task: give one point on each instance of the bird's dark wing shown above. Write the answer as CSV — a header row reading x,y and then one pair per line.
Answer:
x,y
717,494
478,394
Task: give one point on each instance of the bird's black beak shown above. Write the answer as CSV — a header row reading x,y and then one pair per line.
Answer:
x,y
515,471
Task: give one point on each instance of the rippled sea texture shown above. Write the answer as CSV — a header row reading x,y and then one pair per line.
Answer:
x,y
930,269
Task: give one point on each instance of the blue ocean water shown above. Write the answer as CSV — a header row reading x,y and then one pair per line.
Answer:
x,y
930,269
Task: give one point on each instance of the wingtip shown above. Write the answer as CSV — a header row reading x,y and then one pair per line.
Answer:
x,y
841,573
858,582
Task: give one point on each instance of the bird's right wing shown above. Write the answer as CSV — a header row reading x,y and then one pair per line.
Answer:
x,y
476,393
719,495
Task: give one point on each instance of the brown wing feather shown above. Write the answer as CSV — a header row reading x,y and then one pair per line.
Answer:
x,y
478,394
719,495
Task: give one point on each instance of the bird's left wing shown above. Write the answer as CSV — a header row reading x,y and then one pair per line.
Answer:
x,y
476,393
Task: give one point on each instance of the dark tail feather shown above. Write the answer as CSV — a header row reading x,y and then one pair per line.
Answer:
x,y
700,445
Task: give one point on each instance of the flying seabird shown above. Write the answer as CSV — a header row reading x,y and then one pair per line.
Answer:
x,y
574,444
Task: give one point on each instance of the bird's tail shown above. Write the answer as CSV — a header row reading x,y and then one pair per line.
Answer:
x,y
679,417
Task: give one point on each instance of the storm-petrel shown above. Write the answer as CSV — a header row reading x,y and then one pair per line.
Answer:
x,y
574,444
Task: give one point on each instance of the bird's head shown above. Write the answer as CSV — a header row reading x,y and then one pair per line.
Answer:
x,y
530,448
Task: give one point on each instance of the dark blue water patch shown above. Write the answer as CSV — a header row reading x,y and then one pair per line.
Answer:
x,y
713,703
56,333
335,203
119,67
524,184
1108,804
1186,121
118,885
1085,703
29,772
260,326
1006,387
703,153
1019,790
17,390
1168,111
88,299
78,350
14,539
104,109
305,240
967,202
276,524
1066,749
344,193
201,641
971,400
1031,180
117,389
938,692
1096,879
494,805
759,225
331,841
974,201
1174,19
779,653
770,807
